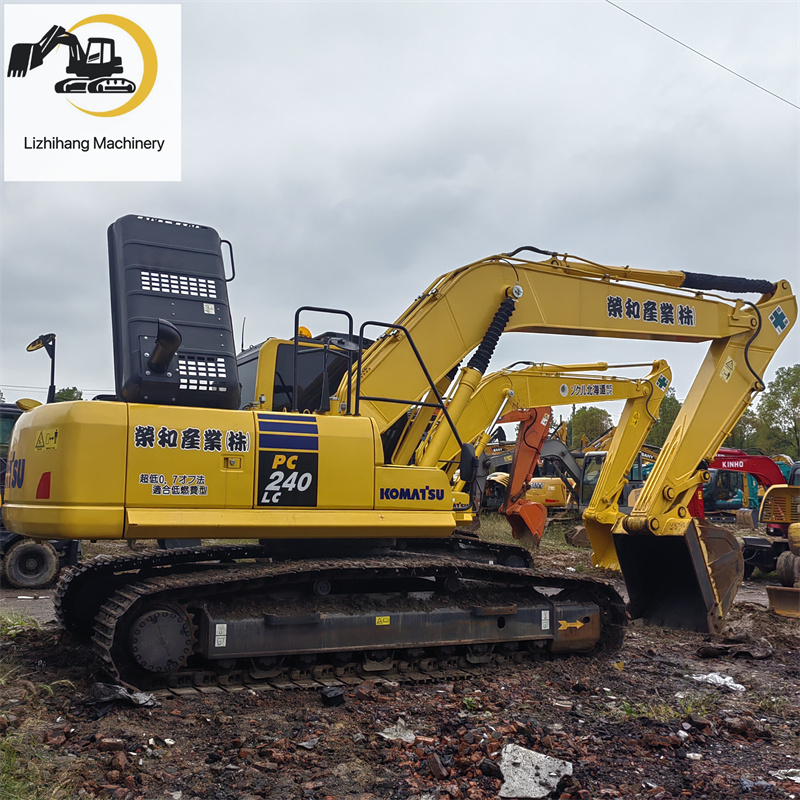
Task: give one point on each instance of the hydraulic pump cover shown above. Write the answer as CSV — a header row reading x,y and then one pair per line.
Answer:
x,y
173,336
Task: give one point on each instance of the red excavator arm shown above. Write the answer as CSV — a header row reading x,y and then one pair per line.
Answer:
x,y
762,468
526,518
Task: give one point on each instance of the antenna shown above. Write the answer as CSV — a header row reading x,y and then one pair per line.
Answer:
x,y
243,322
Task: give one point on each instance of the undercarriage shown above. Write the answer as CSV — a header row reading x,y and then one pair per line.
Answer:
x,y
236,615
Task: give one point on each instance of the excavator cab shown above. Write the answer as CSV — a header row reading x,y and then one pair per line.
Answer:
x,y
724,491
99,60
300,374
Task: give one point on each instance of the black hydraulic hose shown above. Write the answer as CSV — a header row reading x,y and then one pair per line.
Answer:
x,y
759,387
527,429
726,283
531,249
483,355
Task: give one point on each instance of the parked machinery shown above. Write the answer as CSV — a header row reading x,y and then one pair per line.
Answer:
x,y
525,385
27,563
781,506
347,538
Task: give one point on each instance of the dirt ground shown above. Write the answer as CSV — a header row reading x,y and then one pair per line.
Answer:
x,y
636,724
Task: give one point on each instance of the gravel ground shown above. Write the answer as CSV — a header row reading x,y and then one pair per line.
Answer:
x,y
633,725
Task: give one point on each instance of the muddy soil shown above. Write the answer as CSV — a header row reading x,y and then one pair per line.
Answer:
x,y
636,724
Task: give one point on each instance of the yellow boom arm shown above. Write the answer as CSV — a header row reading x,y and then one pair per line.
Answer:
x,y
542,385
471,307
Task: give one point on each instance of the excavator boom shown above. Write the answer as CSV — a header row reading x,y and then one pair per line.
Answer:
x,y
528,385
456,314
452,317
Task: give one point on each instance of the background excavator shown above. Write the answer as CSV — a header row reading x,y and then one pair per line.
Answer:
x,y
360,569
726,490
93,68
524,386
27,563
781,506
520,388
739,480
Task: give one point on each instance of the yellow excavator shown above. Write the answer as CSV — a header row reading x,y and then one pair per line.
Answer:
x,y
525,385
354,565
781,507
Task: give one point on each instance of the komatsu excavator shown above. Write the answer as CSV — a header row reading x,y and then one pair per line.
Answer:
x,y
357,567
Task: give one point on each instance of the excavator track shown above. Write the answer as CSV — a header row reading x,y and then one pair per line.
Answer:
x,y
198,618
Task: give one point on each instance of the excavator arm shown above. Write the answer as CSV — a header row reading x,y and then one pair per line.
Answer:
x,y
643,400
661,548
28,56
526,518
532,385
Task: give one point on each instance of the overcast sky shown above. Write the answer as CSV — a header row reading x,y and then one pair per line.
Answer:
x,y
352,152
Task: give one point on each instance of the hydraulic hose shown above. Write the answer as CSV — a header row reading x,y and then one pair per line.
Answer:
x,y
483,355
723,283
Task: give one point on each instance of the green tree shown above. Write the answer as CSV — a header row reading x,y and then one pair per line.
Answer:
x,y
746,434
670,406
589,421
68,393
778,413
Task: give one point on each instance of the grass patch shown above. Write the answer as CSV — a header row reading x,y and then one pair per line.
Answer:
x,y
759,575
666,710
553,537
495,528
471,704
700,704
774,706
29,771
13,623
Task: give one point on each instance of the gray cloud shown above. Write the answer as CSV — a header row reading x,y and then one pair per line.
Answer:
x,y
353,152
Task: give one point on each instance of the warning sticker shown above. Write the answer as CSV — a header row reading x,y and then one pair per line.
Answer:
x,y
220,635
727,369
383,620
47,439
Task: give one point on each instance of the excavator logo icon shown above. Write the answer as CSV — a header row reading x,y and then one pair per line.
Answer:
x,y
95,70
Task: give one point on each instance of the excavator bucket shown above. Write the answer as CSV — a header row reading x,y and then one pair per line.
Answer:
x,y
684,581
20,61
527,520
784,600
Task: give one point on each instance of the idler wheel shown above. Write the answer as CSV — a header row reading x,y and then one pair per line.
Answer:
x,y
161,639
